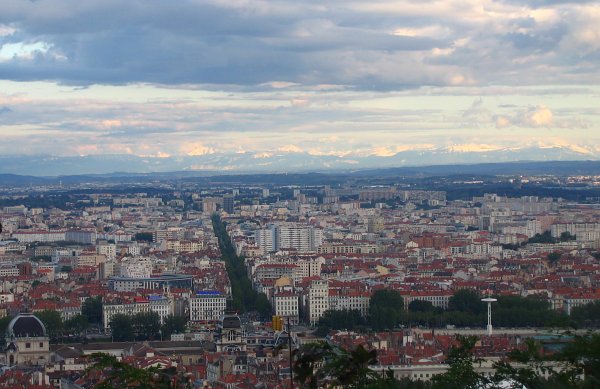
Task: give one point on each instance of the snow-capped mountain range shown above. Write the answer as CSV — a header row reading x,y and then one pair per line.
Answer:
x,y
275,162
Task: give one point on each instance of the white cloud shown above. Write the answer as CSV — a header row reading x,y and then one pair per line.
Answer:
x,y
196,148
6,30
583,34
539,116
22,50
290,149
473,148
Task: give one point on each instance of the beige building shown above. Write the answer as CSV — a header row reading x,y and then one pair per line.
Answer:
x,y
318,300
27,342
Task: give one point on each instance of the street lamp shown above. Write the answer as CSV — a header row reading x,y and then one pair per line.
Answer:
x,y
489,301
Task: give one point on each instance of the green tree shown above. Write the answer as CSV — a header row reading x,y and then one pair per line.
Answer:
x,y
350,369
348,319
318,364
52,321
583,353
531,311
566,236
420,306
587,315
173,325
385,309
263,306
76,324
146,325
577,365
244,297
118,374
387,381
461,372
466,300
4,322
545,237
554,257
122,328
308,362
92,309
526,372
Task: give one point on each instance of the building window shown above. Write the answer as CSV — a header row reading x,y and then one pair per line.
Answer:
x,y
27,345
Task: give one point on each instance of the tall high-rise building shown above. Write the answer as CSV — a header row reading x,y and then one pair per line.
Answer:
x,y
318,300
289,236
228,203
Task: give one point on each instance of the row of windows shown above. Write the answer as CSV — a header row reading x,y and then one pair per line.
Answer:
x,y
28,345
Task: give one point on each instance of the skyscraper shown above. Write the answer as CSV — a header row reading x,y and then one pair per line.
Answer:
x,y
228,203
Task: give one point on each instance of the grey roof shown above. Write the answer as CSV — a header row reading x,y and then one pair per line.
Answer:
x,y
231,322
26,325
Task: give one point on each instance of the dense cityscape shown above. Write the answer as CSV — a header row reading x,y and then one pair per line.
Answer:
x,y
283,194
226,284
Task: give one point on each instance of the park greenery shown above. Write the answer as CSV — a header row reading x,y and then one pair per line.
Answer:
x,y
465,309
243,297
385,309
92,309
145,326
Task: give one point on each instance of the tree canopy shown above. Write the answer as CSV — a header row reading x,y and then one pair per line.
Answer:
x,y
118,374
173,325
587,315
92,309
244,297
122,328
52,321
385,309
338,320
466,300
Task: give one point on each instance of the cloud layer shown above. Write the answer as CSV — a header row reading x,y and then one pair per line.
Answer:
x,y
345,79
374,45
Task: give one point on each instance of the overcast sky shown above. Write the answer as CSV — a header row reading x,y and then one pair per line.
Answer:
x,y
372,77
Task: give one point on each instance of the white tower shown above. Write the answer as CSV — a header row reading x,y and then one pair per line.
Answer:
x,y
489,302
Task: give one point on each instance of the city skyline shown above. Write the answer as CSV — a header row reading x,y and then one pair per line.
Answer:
x,y
204,81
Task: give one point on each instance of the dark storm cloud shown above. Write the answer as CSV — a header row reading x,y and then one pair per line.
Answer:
x,y
255,42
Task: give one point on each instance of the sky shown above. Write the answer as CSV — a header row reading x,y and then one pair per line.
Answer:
x,y
158,79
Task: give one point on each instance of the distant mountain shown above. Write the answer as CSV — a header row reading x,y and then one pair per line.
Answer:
x,y
18,180
558,168
234,163
332,177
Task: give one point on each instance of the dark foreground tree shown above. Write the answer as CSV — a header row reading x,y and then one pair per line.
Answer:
x,y
110,373
461,372
320,364
583,353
